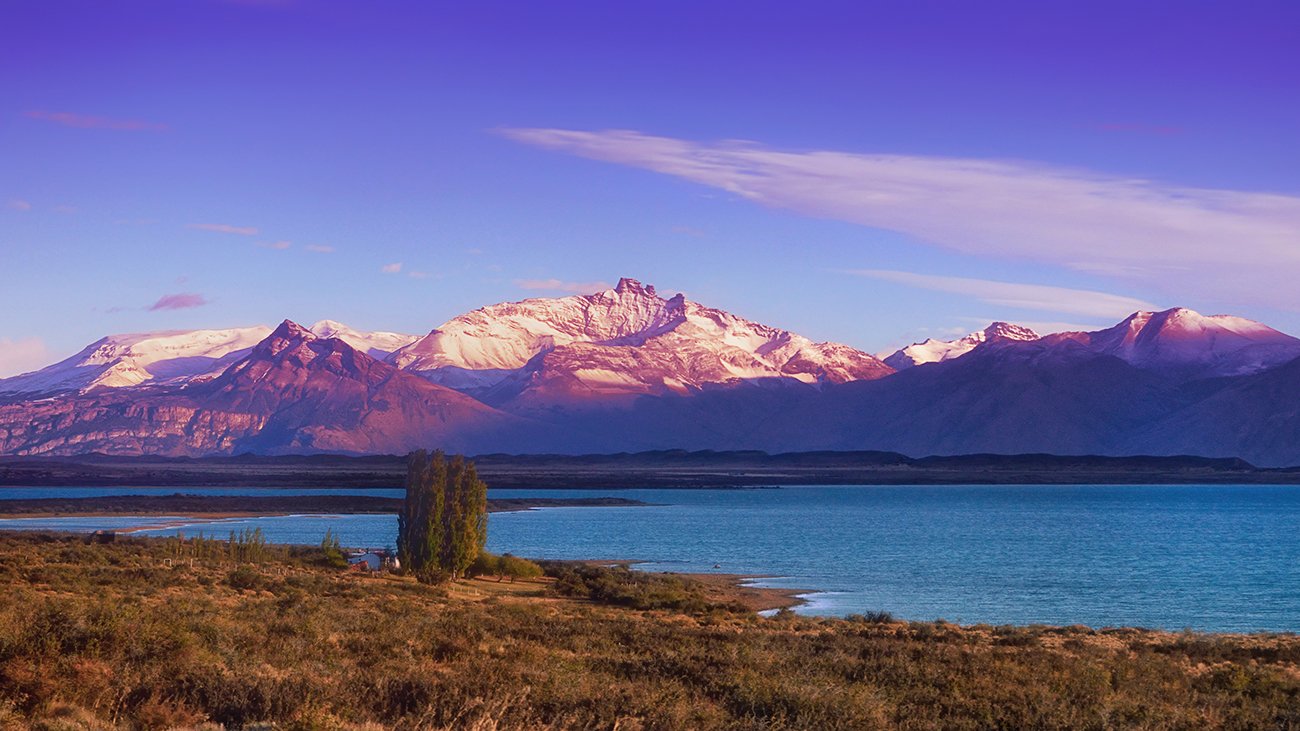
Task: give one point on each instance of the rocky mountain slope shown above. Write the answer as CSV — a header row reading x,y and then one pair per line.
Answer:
x,y
120,361
628,370
176,356
292,392
1183,343
937,351
620,343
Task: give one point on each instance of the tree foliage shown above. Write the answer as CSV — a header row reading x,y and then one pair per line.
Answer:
x,y
332,550
504,567
442,526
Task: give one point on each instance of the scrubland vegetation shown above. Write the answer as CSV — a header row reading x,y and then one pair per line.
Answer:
x,y
142,634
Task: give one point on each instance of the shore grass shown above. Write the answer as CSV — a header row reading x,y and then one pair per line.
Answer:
x,y
108,636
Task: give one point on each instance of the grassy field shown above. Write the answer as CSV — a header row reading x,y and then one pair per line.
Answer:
x,y
111,637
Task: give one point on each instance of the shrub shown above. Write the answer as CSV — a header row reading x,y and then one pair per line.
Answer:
x,y
333,551
518,568
871,618
485,564
245,578
623,587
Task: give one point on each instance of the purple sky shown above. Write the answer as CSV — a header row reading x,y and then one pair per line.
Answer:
x,y
870,173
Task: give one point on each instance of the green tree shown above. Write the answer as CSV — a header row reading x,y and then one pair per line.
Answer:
x,y
442,526
519,568
333,551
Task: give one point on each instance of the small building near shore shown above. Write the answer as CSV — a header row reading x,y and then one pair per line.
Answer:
x,y
373,561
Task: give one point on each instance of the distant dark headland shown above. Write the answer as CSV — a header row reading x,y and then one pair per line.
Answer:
x,y
676,469
182,504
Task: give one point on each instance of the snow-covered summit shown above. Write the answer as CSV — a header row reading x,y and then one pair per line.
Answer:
x,y
378,344
134,359
935,351
506,336
1182,339
622,340
119,361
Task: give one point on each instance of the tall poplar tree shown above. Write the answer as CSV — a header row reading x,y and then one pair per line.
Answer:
x,y
442,526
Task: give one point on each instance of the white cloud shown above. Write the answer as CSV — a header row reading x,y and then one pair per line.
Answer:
x,y
1236,245
393,268
1022,296
277,245
90,121
418,275
18,205
556,285
225,228
319,248
22,355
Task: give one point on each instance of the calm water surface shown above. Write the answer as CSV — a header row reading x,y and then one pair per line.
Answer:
x,y
1214,558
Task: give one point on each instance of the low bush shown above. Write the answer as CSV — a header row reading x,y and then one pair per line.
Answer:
x,y
246,578
504,567
621,586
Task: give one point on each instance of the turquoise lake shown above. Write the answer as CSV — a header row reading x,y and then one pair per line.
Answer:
x,y
1210,558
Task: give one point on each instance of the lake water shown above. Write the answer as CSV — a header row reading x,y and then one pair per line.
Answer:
x,y
1212,558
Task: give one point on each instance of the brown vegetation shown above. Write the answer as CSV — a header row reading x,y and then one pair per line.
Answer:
x,y
110,636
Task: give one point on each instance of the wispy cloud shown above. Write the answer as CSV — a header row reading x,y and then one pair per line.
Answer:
x,y
178,301
1021,296
88,121
18,205
319,248
418,275
277,245
1226,243
393,268
556,285
1163,130
224,228
22,355
64,209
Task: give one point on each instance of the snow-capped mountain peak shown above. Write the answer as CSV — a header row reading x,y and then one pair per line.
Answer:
x,y
626,339
935,351
1184,339
119,361
378,344
507,335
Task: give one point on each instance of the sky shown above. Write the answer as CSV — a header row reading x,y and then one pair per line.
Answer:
x,y
866,173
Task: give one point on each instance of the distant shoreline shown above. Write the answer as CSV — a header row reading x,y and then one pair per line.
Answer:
x,y
663,469
232,506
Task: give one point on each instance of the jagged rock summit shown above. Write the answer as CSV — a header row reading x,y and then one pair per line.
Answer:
x,y
291,392
622,341
626,369
174,357
936,351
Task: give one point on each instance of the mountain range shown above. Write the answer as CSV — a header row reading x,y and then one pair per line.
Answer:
x,y
626,369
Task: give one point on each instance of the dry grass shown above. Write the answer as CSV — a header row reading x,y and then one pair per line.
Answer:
x,y
105,636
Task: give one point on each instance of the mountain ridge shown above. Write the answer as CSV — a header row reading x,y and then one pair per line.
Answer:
x,y
626,369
